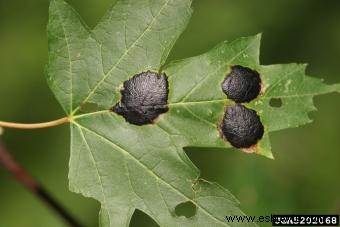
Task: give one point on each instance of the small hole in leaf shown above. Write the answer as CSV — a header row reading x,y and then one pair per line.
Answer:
x,y
275,102
139,218
187,209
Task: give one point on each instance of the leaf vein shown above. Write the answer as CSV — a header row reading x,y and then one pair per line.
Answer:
x,y
94,163
69,56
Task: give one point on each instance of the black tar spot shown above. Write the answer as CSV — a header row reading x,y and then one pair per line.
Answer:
x,y
242,84
144,98
241,126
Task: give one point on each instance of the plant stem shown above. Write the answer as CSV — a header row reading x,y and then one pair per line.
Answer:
x,y
34,126
13,167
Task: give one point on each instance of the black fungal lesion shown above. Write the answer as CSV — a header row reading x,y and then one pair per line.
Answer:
x,y
144,98
241,126
242,84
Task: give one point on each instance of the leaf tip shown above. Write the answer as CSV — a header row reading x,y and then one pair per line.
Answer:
x,y
258,36
57,1
270,156
337,87
267,154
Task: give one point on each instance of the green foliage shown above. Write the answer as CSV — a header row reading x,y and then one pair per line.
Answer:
x,y
128,167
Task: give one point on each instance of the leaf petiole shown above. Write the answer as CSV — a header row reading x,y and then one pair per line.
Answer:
x,y
36,125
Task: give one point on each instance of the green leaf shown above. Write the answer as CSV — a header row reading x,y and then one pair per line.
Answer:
x,y
128,167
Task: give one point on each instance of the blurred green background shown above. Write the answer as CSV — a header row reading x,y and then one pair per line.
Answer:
x,y
304,178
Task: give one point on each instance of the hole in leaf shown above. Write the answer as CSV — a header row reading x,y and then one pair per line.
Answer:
x,y
139,218
275,102
187,209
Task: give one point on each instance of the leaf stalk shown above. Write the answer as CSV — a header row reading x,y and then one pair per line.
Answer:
x,y
48,124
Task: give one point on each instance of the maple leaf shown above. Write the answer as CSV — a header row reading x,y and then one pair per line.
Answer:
x,y
128,167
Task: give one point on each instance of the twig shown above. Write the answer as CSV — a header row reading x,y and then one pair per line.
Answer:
x,y
23,177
